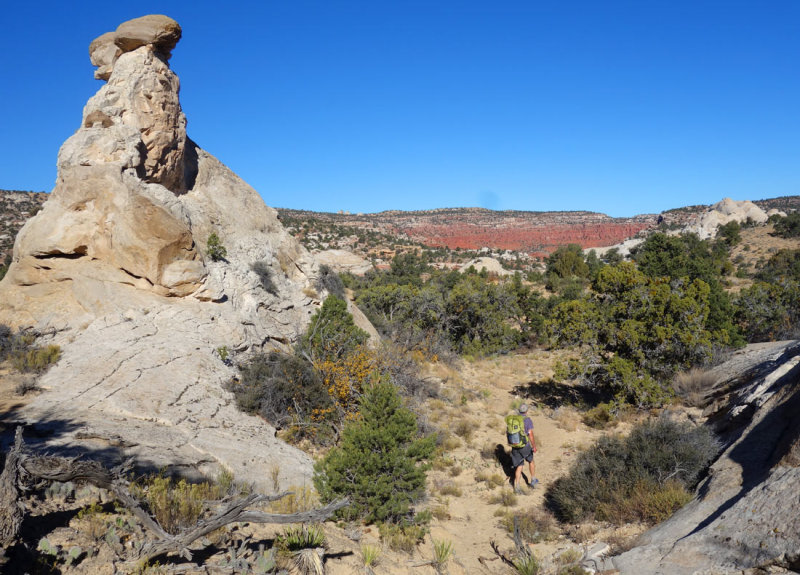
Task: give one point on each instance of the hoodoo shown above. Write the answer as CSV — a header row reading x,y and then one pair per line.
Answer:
x,y
115,267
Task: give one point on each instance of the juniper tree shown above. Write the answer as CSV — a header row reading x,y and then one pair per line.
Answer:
x,y
381,461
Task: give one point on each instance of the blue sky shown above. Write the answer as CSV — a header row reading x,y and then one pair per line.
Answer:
x,y
621,107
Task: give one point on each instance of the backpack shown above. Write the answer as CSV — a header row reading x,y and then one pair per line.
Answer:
x,y
515,430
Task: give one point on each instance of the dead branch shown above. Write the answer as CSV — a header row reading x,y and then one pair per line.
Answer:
x,y
12,509
22,465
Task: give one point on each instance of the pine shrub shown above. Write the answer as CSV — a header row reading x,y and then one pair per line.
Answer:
x,y
332,332
381,463
214,248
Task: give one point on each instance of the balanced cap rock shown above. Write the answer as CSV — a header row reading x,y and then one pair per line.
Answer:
x,y
159,32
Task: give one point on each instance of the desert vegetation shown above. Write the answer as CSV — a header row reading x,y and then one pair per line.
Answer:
x,y
26,356
644,476
400,430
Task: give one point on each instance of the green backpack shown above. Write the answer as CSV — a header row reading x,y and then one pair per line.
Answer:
x,y
515,430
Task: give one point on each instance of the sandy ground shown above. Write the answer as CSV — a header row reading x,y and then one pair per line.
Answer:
x,y
482,393
469,513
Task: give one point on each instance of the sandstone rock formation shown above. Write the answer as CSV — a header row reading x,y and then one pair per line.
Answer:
x,y
491,265
723,212
114,267
344,261
744,517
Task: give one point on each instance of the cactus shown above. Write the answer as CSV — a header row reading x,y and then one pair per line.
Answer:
x,y
265,561
47,548
113,539
74,555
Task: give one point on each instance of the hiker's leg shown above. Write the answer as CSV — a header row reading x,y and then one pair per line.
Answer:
x,y
533,469
517,475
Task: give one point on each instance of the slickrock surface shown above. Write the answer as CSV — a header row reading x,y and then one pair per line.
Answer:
x,y
114,267
744,516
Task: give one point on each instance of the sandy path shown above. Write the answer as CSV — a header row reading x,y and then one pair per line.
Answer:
x,y
482,392
474,523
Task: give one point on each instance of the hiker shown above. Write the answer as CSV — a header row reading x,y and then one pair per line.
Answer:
x,y
519,430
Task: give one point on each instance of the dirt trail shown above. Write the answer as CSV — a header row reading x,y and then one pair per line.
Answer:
x,y
474,523
482,393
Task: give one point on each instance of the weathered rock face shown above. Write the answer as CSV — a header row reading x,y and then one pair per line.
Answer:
x,y
744,516
113,265
344,261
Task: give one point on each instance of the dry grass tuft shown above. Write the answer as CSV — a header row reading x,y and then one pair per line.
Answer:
x,y
506,498
450,442
448,488
491,479
535,525
693,385
567,418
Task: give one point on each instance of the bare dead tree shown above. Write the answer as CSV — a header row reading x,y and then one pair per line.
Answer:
x,y
21,467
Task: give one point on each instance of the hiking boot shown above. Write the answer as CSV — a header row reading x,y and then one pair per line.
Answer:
x,y
519,491
534,482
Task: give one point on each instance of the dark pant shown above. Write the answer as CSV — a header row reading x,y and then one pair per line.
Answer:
x,y
520,454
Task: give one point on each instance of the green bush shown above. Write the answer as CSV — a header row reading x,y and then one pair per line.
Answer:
x,y
214,248
789,226
478,315
466,313
380,463
642,475
784,265
768,311
636,331
730,233
601,416
332,333
566,262
687,256
282,388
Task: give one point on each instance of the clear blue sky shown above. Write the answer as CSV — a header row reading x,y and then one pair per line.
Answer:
x,y
622,107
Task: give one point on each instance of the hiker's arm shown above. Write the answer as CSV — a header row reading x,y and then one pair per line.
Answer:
x,y
533,441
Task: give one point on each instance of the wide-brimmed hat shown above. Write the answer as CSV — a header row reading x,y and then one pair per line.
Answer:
x,y
523,408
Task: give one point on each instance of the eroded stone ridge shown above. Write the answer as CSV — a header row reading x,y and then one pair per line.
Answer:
x,y
113,266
